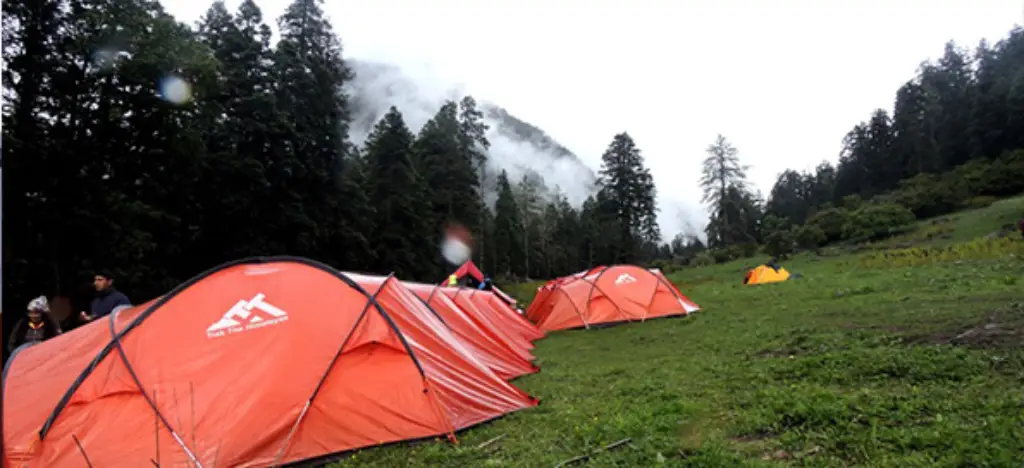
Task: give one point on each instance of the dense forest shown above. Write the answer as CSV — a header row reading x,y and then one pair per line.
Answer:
x,y
136,144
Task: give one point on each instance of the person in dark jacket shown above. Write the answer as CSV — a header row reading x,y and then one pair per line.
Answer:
x,y
107,298
37,326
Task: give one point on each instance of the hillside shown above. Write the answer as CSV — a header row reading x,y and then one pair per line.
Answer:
x,y
516,146
874,358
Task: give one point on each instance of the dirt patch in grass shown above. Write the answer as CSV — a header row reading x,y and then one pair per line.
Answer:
x,y
1000,328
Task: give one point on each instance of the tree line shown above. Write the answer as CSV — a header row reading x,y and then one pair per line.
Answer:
x,y
954,139
109,169
154,150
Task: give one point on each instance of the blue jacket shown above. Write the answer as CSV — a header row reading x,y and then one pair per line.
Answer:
x,y
106,301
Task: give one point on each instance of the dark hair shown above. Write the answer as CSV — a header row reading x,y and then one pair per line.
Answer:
x,y
105,275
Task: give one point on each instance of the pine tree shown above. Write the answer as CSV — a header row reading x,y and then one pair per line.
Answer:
x,y
240,125
723,180
474,145
566,236
630,193
507,238
449,170
397,191
529,199
34,170
310,74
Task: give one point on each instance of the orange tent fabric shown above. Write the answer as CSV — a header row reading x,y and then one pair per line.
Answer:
x,y
492,323
607,295
470,269
484,343
491,303
253,363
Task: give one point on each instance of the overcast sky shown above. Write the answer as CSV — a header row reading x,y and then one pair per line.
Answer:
x,y
784,80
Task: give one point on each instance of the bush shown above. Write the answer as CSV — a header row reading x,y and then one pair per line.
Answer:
x,y
928,195
747,250
852,202
978,249
1005,176
704,258
810,237
723,255
780,244
981,202
831,222
877,220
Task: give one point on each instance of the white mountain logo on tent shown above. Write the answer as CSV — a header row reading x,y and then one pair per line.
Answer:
x,y
247,315
624,278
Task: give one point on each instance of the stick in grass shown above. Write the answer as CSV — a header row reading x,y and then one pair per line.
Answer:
x,y
491,441
606,448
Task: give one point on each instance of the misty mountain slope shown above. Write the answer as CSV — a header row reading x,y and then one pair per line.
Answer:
x,y
516,146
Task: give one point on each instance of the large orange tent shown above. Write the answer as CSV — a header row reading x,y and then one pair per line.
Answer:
x,y
493,304
476,334
253,363
497,325
607,295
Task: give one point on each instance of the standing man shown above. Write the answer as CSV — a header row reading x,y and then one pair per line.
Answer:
x,y
107,298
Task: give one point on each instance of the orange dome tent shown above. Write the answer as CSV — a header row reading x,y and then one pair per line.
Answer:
x,y
493,304
485,343
607,295
254,363
493,323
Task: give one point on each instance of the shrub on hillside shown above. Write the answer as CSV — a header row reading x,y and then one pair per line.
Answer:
x,y
928,195
1005,176
704,258
831,222
852,202
721,255
978,249
748,250
876,220
810,236
734,252
666,266
780,244
983,201
778,236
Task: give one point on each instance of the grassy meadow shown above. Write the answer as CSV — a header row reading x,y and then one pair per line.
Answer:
x,y
900,354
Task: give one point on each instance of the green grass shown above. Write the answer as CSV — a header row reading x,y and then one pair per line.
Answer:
x,y
961,226
898,366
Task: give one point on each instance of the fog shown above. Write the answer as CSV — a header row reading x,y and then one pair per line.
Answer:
x,y
418,93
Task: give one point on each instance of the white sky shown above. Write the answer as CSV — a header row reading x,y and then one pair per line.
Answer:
x,y
784,80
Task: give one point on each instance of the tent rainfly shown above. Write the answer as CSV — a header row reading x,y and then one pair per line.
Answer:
x,y
258,362
607,295
765,274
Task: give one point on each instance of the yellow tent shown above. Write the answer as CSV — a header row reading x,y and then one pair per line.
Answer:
x,y
766,274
